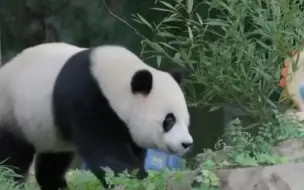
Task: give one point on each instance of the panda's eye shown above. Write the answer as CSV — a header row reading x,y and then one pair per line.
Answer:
x,y
169,122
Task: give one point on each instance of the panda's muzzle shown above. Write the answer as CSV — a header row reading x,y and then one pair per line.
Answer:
x,y
186,145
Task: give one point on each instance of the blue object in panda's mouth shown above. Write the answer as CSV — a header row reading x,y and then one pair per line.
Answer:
x,y
302,91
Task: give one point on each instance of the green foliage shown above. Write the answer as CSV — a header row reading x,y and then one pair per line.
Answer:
x,y
156,180
79,179
235,52
286,128
6,183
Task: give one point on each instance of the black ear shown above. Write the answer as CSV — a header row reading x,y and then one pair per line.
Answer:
x,y
142,82
178,75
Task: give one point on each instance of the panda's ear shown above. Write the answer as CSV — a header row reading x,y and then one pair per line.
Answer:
x,y
178,75
142,82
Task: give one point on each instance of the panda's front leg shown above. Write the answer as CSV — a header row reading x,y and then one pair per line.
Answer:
x,y
100,151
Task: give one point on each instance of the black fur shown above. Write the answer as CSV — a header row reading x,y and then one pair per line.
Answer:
x,y
50,169
15,151
18,154
84,116
142,82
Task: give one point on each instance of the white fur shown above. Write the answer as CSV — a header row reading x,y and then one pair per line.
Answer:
x,y
26,85
27,81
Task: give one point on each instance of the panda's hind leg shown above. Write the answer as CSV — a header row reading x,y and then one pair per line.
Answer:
x,y
15,152
50,169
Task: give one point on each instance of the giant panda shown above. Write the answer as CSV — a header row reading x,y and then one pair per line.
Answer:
x,y
103,103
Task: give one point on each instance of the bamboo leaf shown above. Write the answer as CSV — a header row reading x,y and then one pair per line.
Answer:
x,y
144,21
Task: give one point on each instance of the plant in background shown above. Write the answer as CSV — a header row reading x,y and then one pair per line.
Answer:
x,y
235,52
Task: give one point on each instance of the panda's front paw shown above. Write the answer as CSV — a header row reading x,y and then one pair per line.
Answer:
x,y
141,174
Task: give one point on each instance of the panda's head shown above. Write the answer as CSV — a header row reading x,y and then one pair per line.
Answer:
x,y
148,100
159,117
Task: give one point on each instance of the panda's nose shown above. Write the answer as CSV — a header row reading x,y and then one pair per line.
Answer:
x,y
186,145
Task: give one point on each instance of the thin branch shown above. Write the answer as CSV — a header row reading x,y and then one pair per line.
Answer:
x,y
122,20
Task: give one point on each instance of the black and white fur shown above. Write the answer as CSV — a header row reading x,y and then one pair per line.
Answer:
x,y
104,103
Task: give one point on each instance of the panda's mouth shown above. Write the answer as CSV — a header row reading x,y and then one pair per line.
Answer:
x,y
170,150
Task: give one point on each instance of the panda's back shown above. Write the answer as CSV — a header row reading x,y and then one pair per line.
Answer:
x,y
26,86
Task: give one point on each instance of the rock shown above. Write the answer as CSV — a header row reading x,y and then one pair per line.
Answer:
x,y
292,149
278,177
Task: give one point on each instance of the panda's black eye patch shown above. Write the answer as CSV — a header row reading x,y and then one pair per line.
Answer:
x,y
169,122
